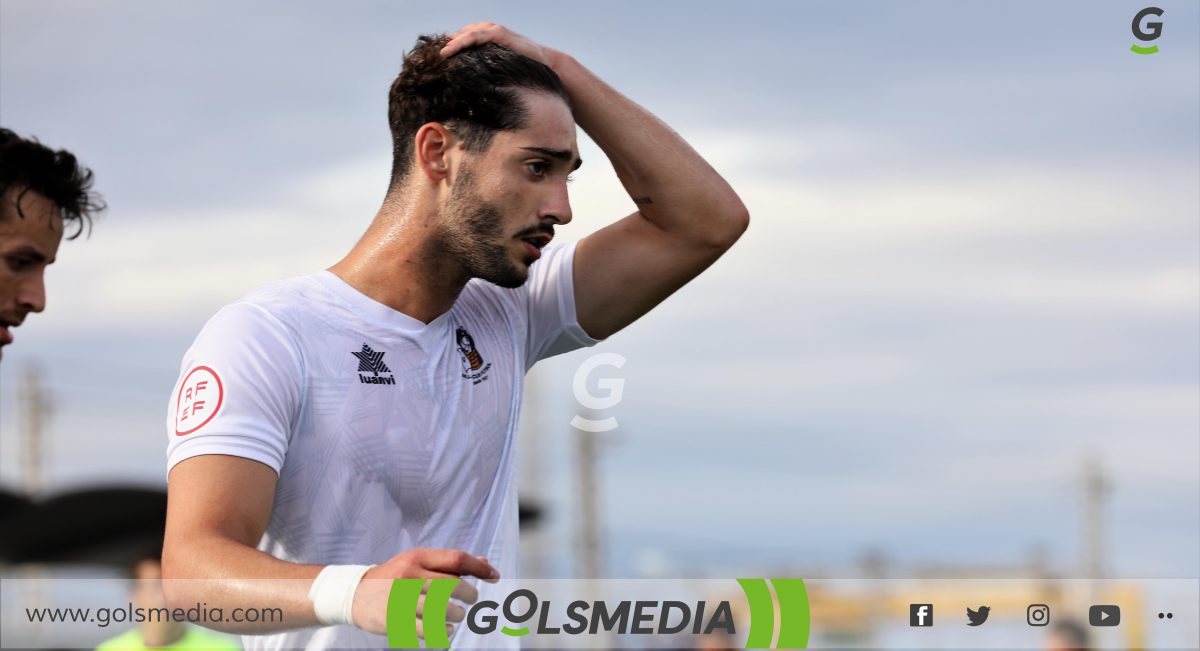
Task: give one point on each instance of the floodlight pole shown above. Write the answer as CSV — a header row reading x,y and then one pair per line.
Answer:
x,y
35,408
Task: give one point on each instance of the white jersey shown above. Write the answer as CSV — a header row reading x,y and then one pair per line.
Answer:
x,y
386,433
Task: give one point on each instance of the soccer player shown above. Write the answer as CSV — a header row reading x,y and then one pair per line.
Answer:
x,y
358,423
40,191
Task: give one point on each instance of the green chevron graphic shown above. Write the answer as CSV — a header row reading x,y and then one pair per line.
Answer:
x,y
402,613
762,613
1137,49
794,613
795,616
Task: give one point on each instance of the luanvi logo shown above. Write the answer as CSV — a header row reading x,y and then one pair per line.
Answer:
x,y
1146,30
371,362
514,616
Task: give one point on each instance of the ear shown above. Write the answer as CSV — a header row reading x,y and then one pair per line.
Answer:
x,y
433,145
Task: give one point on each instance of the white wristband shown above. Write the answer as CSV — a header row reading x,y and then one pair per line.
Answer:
x,y
332,593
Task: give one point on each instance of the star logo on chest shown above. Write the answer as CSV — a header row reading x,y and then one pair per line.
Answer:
x,y
371,361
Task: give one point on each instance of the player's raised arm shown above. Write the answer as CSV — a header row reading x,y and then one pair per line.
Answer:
x,y
687,214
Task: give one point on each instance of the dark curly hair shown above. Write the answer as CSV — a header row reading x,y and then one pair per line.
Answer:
x,y
473,93
29,165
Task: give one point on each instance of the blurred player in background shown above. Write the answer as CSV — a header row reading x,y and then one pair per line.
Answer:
x,y
156,630
41,191
358,423
1067,635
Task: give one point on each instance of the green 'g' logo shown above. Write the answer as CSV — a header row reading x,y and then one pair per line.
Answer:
x,y
1146,31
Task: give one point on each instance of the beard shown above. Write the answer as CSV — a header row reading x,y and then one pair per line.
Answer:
x,y
472,233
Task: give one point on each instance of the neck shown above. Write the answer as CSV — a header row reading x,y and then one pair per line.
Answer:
x,y
401,262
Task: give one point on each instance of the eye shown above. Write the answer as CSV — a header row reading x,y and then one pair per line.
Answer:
x,y
19,264
570,178
537,168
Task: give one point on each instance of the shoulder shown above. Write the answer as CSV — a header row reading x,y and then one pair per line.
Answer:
x,y
279,310
289,301
261,330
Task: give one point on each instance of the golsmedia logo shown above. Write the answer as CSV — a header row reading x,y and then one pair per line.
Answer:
x,y
625,617
515,615
1146,30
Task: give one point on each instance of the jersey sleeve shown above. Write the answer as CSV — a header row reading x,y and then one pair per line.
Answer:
x,y
553,326
239,389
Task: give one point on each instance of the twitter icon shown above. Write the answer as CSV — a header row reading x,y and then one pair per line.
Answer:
x,y
977,617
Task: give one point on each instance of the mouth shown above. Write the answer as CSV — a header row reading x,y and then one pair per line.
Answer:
x,y
534,243
6,336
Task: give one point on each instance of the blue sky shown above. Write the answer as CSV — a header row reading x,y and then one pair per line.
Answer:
x,y
974,260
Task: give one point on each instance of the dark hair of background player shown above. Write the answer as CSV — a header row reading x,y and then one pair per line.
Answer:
x,y
28,165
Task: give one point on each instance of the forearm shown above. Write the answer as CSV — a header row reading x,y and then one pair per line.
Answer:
x,y
672,185
223,573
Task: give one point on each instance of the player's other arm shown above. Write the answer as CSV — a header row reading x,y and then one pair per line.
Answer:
x,y
687,216
217,510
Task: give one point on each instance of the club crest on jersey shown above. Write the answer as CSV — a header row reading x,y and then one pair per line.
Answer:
x,y
474,368
370,361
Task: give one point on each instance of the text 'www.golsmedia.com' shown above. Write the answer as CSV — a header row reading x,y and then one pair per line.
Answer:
x,y
130,614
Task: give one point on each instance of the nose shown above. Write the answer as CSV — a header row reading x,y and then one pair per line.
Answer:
x,y
31,293
558,205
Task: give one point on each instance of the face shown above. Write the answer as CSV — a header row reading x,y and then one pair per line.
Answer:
x,y
466,345
27,246
505,201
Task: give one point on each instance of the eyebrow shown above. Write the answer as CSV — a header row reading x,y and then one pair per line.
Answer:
x,y
557,154
28,251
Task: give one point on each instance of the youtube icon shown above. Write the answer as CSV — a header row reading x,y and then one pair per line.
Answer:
x,y
1104,615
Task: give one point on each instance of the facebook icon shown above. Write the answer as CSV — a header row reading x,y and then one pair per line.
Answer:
x,y
920,614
